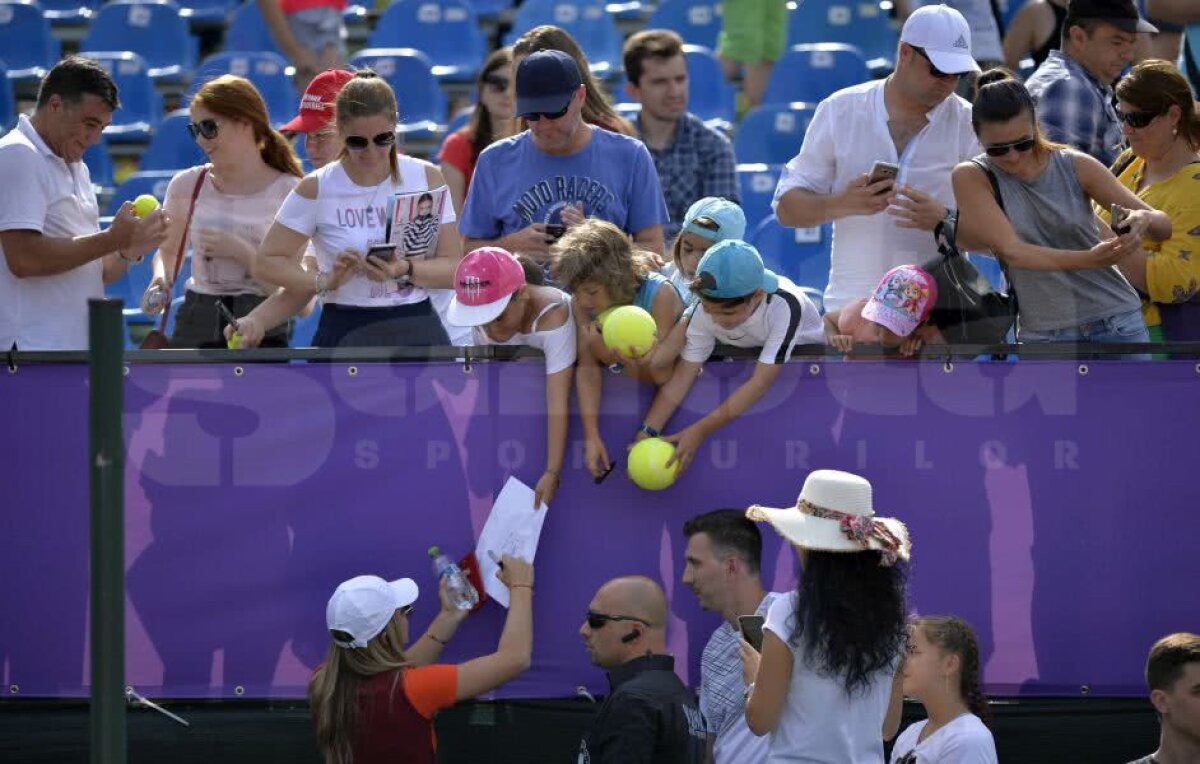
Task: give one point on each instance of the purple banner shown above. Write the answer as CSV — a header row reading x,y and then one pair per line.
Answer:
x,y
1046,502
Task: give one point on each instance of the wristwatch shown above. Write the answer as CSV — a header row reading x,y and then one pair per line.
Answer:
x,y
648,430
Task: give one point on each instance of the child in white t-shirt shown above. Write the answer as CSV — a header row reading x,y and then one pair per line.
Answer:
x,y
744,305
942,672
491,294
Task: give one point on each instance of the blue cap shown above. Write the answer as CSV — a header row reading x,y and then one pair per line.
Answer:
x,y
546,80
730,220
733,268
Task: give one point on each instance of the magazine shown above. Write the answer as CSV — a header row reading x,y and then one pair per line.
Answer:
x,y
415,221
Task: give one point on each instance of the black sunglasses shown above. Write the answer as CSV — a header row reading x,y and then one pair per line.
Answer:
x,y
496,82
358,142
207,128
537,115
1137,119
597,620
933,70
1023,145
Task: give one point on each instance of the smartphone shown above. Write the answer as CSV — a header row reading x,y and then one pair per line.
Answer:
x,y
555,230
883,171
1118,214
752,630
384,252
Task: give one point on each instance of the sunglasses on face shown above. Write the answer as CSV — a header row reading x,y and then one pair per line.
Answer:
x,y
358,142
1023,145
206,128
933,70
539,115
496,82
1136,119
597,620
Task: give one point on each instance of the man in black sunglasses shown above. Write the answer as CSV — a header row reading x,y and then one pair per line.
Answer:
x,y
527,188
649,715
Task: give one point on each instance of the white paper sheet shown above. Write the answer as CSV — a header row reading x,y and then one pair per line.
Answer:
x,y
513,528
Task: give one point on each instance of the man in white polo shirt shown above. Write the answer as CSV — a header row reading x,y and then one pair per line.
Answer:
x,y
911,119
53,256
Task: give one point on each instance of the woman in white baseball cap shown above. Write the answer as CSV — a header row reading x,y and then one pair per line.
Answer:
x,y
828,685
373,699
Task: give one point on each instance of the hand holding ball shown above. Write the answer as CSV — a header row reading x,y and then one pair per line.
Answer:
x,y
647,464
144,205
629,327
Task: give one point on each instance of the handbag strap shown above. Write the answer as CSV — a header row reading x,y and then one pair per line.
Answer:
x,y
995,183
183,239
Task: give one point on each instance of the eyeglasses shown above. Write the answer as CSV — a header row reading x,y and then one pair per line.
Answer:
x,y
539,115
208,128
1023,145
496,82
597,620
1137,119
358,142
933,70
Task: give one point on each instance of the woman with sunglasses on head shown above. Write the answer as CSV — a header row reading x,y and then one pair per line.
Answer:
x,y
1039,222
373,700
1162,166
252,170
370,300
941,671
491,120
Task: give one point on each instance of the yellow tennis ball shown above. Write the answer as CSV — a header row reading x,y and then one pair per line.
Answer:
x,y
144,205
647,465
629,327
234,342
604,314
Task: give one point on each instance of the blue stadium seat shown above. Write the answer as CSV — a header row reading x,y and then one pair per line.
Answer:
x,y
8,104
153,183
248,32
99,164
460,119
710,97
587,21
772,133
305,328
989,267
862,24
266,70
26,45
489,10
697,21
422,104
757,182
206,14
172,146
151,28
66,14
447,31
814,71
141,105
801,254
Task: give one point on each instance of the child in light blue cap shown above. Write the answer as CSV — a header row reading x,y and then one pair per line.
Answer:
x,y
743,304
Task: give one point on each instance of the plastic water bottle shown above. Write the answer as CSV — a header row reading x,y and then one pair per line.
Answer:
x,y
461,592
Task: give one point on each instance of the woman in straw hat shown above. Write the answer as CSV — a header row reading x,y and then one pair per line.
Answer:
x,y
828,687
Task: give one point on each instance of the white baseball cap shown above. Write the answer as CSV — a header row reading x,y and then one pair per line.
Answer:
x,y
944,35
362,607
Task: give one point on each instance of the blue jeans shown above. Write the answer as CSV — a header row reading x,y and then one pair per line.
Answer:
x,y
1123,327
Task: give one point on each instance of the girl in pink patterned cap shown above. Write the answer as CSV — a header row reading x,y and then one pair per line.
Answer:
x,y
895,316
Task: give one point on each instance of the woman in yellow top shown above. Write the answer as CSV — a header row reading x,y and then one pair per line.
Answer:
x,y
1162,166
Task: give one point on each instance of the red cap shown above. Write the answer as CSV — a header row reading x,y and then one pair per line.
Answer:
x,y
316,105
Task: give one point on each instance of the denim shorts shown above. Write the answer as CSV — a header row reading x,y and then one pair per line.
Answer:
x,y
318,29
1123,327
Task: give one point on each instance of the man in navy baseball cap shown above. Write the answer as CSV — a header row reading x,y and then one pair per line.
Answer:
x,y
546,82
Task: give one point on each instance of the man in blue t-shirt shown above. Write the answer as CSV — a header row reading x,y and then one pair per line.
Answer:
x,y
527,188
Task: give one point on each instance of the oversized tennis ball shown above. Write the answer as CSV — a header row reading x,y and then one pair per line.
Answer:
x,y
604,314
234,342
629,327
144,205
647,464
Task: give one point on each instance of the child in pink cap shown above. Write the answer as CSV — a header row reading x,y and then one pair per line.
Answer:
x,y
895,316
491,294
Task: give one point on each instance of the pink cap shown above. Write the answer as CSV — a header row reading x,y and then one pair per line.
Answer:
x,y
903,300
484,282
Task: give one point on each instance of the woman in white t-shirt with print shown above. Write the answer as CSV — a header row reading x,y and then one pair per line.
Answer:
x,y
827,685
369,301
253,168
942,672
492,295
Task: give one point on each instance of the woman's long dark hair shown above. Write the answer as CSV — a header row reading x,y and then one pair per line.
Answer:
x,y
480,125
850,615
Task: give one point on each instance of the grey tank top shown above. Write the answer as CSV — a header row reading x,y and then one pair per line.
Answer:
x,y
1053,211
